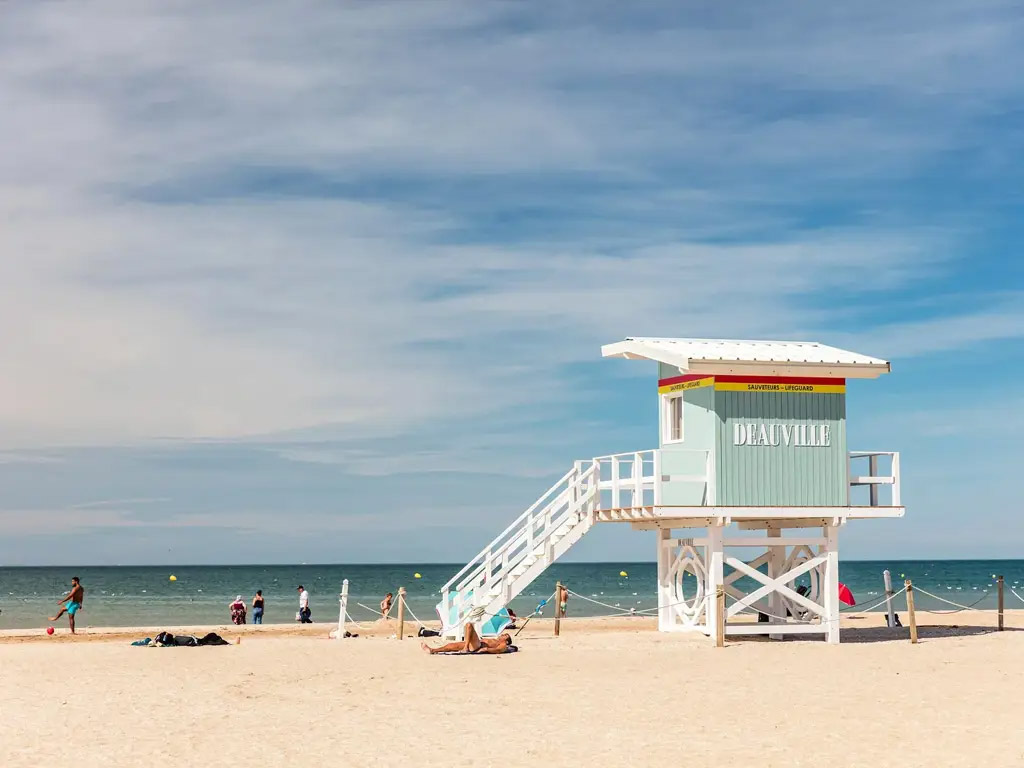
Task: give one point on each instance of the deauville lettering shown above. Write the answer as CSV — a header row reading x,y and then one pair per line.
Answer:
x,y
796,435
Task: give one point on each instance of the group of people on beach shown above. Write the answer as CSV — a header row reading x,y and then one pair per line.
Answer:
x,y
239,611
71,603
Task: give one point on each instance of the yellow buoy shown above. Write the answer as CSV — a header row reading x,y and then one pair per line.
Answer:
x,y
417,576
623,574
173,578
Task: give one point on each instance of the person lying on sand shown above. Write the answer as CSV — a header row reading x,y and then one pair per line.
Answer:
x,y
475,644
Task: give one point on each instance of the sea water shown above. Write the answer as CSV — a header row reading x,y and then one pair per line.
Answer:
x,y
146,596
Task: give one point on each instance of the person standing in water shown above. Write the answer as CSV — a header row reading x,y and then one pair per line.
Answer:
x,y
563,599
257,607
71,603
385,606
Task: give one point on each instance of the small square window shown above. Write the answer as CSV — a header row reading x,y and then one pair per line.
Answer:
x,y
673,428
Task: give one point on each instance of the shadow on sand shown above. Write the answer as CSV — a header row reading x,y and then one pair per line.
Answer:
x,y
925,633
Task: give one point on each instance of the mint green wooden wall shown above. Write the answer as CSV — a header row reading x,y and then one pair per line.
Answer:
x,y
700,428
780,475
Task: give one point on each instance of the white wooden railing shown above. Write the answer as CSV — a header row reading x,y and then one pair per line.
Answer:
x,y
568,508
502,569
636,474
874,479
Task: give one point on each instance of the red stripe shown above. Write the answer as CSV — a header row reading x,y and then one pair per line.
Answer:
x,y
681,379
751,379
778,380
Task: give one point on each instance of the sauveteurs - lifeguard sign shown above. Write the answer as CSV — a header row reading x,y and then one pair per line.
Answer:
x,y
782,384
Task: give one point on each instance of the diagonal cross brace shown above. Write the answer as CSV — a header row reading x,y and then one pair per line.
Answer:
x,y
776,585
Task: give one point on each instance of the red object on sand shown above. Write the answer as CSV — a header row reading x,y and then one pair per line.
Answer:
x,y
49,630
845,595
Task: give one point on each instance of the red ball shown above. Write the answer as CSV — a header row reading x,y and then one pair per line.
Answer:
x,y
49,630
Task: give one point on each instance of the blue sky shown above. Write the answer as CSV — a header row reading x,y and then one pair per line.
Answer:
x,y
287,283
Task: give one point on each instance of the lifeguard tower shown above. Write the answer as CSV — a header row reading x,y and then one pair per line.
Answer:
x,y
753,439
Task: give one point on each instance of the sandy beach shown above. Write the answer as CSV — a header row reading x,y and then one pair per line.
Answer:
x,y
611,691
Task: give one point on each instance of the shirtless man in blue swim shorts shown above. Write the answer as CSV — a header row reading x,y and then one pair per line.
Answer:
x,y
71,603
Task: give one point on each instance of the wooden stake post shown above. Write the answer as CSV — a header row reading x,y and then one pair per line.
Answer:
x,y
910,610
999,585
720,611
558,607
401,612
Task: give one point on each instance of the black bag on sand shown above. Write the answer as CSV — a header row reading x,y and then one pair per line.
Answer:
x,y
424,632
212,639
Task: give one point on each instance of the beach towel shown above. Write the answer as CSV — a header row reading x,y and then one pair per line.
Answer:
x,y
487,626
509,649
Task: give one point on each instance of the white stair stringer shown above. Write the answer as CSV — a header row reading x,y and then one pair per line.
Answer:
x,y
510,563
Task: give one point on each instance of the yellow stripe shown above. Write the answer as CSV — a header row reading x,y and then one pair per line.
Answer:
x,y
731,386
684,385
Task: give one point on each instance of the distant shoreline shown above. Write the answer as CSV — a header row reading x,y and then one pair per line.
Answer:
x,y
457,565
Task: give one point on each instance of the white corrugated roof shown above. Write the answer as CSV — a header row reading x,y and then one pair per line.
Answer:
x,y
759,357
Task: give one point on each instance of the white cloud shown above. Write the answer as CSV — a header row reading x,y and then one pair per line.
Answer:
x,y
1001,320
151,285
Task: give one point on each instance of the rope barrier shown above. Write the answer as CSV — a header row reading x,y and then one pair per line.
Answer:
x,y
617,608
414,618
376,612
1014,593
884,600
348,617
959,607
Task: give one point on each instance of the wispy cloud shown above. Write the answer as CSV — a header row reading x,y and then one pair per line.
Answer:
x,y
389,238
281,224
118,502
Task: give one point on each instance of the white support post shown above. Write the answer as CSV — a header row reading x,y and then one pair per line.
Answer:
x,y
887,579
638,481
657,478
830,600
776,562
616,503
342,610
574,485
664,582
896,480
849,478
873,472
716,566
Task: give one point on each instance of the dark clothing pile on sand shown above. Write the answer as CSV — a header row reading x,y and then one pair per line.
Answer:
x,y
167,640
